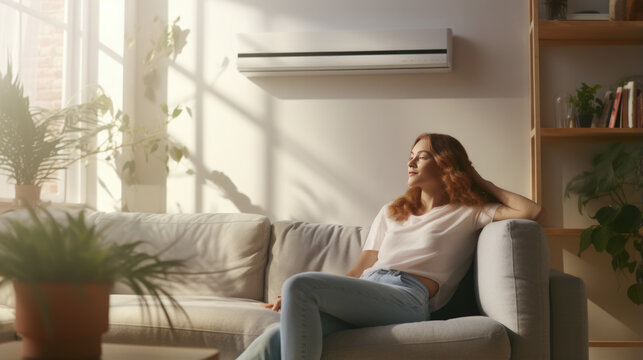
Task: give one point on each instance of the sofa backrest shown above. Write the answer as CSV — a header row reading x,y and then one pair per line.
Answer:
x,y
230,249
298,247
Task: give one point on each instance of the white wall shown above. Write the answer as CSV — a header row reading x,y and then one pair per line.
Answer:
x,y
334,148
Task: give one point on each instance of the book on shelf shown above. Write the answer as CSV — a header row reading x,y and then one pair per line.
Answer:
x,y
634,10
622,120
628,114
617,10
607,109
615,108
639,108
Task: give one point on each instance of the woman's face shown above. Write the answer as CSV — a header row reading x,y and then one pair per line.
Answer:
x,y
424,172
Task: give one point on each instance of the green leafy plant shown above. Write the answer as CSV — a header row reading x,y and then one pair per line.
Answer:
x,y
615,173
155,143
585,100
35,142
45,249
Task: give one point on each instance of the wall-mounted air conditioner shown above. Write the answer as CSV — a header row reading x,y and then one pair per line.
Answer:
x,y
346,52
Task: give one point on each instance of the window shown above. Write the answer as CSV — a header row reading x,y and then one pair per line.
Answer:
x,y
35,39
56,48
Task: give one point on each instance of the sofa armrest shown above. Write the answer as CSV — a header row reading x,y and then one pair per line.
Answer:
x,y
512,283
568,316
474,337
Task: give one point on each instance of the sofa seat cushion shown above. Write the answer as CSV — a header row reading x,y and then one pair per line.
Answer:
x,y
474,337
7,317
228,324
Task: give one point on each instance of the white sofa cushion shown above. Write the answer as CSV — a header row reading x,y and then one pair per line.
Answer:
x,y
230,249
228,324
298,246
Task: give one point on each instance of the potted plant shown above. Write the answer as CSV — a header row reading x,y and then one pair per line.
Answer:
x,y
616,175
36,143
62,272
586,104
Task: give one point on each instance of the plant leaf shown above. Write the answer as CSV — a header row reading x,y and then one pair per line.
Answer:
x,y
176,153
616,244
635,293
600,238
619,261
164,108
177,111
605,215
627,220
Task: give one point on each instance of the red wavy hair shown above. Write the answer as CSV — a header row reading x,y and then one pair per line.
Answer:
x,y
457,178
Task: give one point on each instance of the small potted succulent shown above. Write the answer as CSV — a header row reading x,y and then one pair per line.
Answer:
x,y
586,104
62,272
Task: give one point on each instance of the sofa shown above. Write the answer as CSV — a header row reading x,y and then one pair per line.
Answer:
x,y
510,305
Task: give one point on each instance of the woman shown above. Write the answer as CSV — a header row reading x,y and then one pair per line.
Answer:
x,y
418,249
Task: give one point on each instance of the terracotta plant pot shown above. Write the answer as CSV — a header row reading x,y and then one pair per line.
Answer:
x,y
61,320
27,195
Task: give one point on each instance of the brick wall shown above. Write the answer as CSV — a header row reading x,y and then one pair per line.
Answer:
x,y
49,73
49,84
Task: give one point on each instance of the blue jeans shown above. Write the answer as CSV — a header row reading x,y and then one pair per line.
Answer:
x,y
316,304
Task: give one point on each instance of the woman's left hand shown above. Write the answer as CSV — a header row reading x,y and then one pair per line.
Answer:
x,y
514,206
276,306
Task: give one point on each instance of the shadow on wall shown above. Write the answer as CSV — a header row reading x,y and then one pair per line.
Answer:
x,y
227,189
605,289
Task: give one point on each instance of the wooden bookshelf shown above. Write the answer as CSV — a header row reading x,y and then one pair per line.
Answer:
x,y
590,134
544,34
554,32
619,344
563,232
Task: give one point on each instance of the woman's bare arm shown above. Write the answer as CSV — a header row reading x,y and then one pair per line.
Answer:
x,y
366,259
513,206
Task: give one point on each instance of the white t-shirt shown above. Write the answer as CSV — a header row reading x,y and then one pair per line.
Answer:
x,y
438,245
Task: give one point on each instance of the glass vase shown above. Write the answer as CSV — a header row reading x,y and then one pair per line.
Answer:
x,y
556,9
